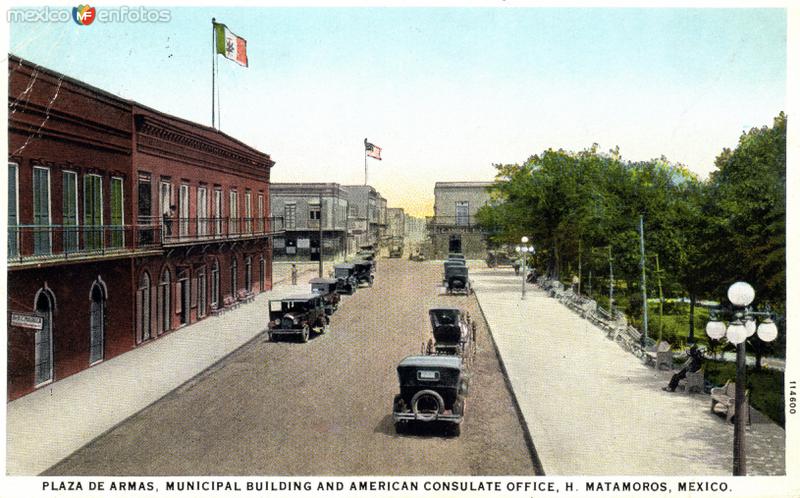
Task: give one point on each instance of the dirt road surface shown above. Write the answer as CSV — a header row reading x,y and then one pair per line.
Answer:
x,y
324,407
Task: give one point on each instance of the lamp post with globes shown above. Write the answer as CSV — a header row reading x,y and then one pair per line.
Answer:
x,y
742,325
524,249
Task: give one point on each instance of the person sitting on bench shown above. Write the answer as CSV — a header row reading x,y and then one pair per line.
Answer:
x,y
692,364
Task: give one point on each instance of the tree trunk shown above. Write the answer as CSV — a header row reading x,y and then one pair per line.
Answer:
x,y
692,299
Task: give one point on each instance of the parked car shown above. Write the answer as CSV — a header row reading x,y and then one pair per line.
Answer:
x,y
456,278
344,274
326,287
367,256
297,315
396,251
363,272
453,333
456,255
432,389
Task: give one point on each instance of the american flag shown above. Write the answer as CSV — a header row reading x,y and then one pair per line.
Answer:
x,y
372,150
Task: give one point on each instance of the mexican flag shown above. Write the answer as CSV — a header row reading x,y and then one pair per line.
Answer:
x,y
231,46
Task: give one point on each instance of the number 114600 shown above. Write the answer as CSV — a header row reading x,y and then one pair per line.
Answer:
x,y
792,397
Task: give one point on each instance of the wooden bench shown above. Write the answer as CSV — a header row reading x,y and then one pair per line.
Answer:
x,y
245,296
629,338
725,396
660,355
216,310
694,382
229,302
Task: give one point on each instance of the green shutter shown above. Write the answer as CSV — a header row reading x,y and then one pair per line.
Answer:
x,y
117,238
12,211
41,211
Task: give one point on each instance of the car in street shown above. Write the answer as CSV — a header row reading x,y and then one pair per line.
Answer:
x,y
326,287
363,272
432,389
297,315
344,273
453,333
456,277
456,255
367,256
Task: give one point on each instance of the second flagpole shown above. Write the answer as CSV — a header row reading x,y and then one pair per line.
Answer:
x,y
213,61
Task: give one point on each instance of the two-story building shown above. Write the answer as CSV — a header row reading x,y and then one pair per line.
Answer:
x,y
125,223
299,205
364,214
453,228
396,223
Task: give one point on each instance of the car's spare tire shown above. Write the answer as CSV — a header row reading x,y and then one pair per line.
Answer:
x,y
427,405
457,283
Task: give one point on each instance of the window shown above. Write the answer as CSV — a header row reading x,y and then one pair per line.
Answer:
x,y
183,210
260,213
462,213
97,310
93,211
215,284
164,302
202,211
248,212
290,215
43,339
217,211
41,211
164,204
234,276
143,326
248,273
117,213
13,219
262,273
69,180
314,211
234,212
354,211
201,292
145,218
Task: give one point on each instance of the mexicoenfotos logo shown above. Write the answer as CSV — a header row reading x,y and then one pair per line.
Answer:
x,y
83,15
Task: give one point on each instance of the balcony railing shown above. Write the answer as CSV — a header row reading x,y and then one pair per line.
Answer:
x,y
37,243
52,243
451,223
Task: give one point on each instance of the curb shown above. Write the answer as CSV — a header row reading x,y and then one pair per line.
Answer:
x,y
537,464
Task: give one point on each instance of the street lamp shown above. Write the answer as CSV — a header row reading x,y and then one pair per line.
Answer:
x,y
524,249
742,325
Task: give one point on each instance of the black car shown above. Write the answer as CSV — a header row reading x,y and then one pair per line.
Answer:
x,y
367,256
297,315
453,333
456,277
456,255
326,287
363,272
432,389
345,278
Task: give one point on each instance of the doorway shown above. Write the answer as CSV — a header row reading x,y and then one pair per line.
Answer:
x,y
455,243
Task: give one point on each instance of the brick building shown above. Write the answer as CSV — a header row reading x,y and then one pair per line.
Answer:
x,y
454,228
98,264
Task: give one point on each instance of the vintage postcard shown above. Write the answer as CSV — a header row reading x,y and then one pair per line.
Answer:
x,y
490,248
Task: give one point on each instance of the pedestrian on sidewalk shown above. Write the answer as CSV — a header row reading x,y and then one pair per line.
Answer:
x,y
294,274
576,282
692,364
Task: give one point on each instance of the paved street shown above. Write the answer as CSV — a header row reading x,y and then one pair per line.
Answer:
x,y
594,409
321,408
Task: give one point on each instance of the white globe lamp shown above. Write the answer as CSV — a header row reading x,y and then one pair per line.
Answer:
x,y
737,332
741,294
715,329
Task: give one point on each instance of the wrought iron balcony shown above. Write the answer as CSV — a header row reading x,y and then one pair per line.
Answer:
x,y
30,245
442,224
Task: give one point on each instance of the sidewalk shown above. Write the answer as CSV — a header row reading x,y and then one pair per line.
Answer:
x,y
49,424
594,409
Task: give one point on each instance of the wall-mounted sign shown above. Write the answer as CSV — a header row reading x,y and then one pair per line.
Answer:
x,y
303,243
26,321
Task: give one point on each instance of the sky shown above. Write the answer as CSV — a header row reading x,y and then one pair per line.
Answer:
x,y
445,92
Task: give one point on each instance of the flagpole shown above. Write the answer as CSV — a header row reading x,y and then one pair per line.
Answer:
x,y
365,165
213,63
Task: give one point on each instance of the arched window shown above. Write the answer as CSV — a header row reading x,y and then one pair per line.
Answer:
x,y
248,273
200,288
215,283
234,276
97,327
164,301
43,339
262,273
143,324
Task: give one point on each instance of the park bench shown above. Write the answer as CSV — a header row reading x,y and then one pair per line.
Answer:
x,y
659,355
725,397
629,338
216,310
694,382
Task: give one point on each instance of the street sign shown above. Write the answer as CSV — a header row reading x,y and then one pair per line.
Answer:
x,y
26,321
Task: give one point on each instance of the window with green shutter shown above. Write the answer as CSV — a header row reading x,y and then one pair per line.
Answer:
x,y
13,221
41,211
93,212
117,221
70,210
